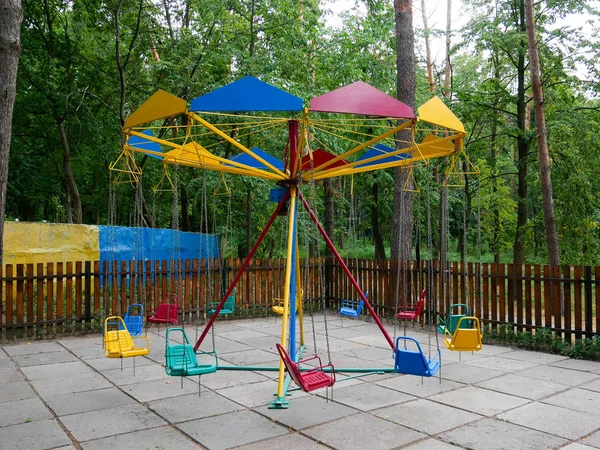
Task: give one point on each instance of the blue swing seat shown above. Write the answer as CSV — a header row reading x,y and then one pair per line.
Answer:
x,y
134,322
414,362
352,308
181,361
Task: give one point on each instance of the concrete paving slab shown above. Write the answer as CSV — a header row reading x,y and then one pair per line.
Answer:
x,y
20,390
345,333
65,385
534,357
38,435
465,373
592,385
425,416
66,447
225,346
291,441
432,444
525,387
500,364
552,420
231,430
229,378
372,341
367,396
419,388
370,354
80,402
6,363
102,423
339,345
261,393
38,359
578,364
242,334
490,434
162,438
342,360
31,348
95,352
581,400
103,363
266,343
81,341
154,390
10,375
478,400
56,370
23,411
190,407
306,412
592,440
375,433
577,446
150,372
252,357
559,375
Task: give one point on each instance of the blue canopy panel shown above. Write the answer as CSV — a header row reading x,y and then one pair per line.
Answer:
x,y
378,150
145,144
249,160
247,94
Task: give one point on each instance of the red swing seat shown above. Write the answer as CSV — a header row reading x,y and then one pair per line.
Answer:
x,y
308,380
409,312
166,312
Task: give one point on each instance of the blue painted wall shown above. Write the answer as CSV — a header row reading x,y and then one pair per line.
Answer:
x,y
125,243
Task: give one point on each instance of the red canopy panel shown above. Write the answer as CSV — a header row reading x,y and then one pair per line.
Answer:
x,y
361,98
321,157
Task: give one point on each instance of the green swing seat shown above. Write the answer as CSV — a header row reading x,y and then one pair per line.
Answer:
x,y
228,306
180,359
453,318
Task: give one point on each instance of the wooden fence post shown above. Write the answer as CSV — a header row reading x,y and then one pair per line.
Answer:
x,y
88,292
588,302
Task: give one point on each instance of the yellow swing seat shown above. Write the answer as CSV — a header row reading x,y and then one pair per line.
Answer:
x,y
278,305
464,339
118,343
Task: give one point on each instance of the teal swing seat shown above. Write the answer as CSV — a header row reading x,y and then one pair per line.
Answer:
x,y
181,361
414,362
453,318
228,307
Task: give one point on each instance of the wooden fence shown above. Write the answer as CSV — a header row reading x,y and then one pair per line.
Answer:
x,y
59,298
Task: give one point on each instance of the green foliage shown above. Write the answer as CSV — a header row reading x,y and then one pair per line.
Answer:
x,y
543,340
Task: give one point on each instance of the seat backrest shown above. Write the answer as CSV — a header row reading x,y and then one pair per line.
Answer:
x,y
230,302
421,302
361,304
411,362
291,367
167,311
467,339
119,340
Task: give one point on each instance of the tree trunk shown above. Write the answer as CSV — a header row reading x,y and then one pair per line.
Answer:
x,y
11,16
495,244
405,82
377,238
447,67
69,176
427,48
540,128
522,147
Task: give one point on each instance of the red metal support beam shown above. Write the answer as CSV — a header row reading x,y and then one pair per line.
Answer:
x,y
242,269
347,271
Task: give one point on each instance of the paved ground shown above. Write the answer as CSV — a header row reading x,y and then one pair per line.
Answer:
x,y
64,394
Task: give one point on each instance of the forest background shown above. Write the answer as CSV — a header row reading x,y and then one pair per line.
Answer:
x,y
86,65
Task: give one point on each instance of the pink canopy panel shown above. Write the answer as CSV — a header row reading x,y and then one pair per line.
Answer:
x,y
361,98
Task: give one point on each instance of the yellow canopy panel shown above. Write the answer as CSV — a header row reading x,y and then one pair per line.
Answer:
x,y
437,113
159,106
192,154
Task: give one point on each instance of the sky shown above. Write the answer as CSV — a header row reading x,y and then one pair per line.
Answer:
x,y
436,12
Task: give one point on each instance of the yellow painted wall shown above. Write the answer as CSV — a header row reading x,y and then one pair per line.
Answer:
x,y
26,243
